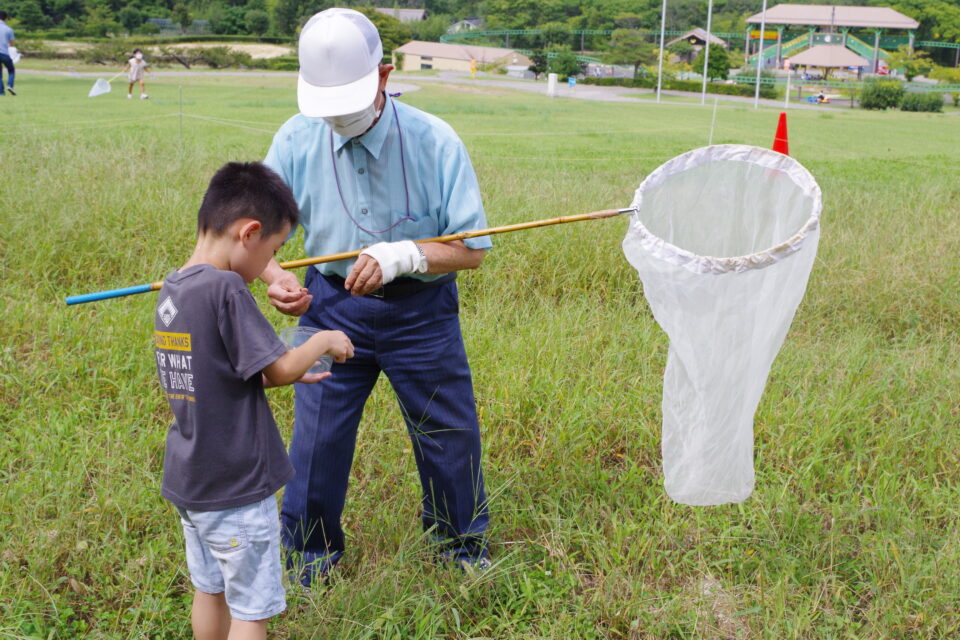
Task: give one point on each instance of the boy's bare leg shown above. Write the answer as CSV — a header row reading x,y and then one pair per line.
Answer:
x,y
210,615
130,88
248,630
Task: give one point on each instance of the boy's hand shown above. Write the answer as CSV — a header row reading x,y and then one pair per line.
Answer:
x,y
338,345
288,296
313,378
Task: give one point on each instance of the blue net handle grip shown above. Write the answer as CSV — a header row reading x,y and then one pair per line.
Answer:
x,y
112,293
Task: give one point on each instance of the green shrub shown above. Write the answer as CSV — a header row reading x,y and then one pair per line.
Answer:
x,y
220,57
108,53
280,63
35,48
882,94
149,29
932,102
650,82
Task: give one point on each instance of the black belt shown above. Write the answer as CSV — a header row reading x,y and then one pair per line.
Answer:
x,y
399,287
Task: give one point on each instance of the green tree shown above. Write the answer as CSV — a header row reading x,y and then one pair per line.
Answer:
x,y
393,33
287,14
565,62
100,22
911,63
257,21
431,29
628,46
683,50
60,10
71,25
539,63
149,29
31,15
554,33
130,18
229,21
181,15
513,14
718,66
628,20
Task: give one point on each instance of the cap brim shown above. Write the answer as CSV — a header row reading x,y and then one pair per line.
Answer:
x,y
326,102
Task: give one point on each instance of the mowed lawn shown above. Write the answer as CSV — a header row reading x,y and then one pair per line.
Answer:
x,y
852,531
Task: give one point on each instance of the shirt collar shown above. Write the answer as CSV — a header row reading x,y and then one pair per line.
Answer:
x,y
373,139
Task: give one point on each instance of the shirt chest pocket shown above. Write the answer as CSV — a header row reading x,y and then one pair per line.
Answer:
x,y
418,226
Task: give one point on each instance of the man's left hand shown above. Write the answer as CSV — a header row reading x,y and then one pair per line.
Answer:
x,y
365,276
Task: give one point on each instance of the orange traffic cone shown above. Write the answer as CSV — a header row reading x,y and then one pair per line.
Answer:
x,y
780,140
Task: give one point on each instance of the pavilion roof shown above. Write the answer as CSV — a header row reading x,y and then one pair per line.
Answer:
x,y
822,15
828,55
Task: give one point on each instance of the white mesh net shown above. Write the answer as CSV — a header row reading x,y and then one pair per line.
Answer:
x,y
724,238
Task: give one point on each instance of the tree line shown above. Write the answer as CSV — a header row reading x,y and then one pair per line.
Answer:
x,y
939,19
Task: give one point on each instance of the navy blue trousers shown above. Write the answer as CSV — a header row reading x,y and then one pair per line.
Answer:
x,y
6,61
416,341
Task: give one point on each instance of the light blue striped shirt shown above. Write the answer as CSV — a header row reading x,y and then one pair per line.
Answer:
x,y
6,37
371,203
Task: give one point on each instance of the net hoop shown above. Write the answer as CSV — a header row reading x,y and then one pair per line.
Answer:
x,y
672,254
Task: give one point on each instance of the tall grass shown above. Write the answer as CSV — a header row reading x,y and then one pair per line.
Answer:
x,y
852,531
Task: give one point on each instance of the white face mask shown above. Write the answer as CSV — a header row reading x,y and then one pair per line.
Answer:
x,y
353,124
138,56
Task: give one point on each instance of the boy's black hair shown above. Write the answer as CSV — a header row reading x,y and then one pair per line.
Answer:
x,y
137,51
3,15
247,190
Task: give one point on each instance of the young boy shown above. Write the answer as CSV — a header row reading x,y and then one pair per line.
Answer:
x,y
215,353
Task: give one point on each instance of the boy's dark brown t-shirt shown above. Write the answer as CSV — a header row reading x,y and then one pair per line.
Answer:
x,y
211,341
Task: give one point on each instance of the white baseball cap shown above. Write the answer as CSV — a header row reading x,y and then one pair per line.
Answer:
x,y
340,54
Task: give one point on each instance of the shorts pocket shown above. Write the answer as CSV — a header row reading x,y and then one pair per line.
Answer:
x,y
229,533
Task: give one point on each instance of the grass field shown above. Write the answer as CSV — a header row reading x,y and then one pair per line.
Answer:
x,y
852,531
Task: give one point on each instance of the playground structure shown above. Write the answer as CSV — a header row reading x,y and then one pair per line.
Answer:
x,y
827,25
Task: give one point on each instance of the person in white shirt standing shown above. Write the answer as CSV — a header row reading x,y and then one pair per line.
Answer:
x,y
135,67
6,39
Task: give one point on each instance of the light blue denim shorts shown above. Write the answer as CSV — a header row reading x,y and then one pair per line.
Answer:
x,y
237,552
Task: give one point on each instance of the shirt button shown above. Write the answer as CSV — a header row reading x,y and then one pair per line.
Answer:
x,y
361,171
356,141
364,211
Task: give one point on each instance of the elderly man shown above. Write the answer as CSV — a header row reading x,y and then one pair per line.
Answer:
x,y
371,172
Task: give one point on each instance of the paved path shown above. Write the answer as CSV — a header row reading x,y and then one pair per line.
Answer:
x,y
409,83
592,92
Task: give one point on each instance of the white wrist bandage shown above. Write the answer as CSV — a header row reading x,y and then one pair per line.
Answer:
x,y
397,258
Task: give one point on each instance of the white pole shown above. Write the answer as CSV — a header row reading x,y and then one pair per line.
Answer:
x,y
763,29
786,97
706,54
663,28
713,123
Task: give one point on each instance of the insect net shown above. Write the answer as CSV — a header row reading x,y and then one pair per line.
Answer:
x,y
723,238
99,88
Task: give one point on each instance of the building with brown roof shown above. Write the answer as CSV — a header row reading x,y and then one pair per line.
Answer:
x,y
418,54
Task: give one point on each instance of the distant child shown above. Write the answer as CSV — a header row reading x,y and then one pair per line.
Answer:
x,y
215,353
135,67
